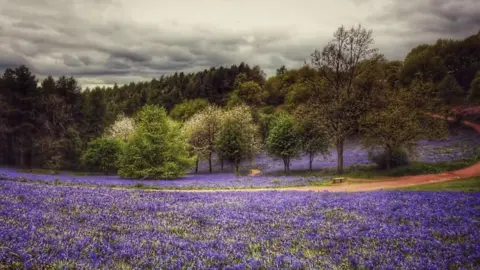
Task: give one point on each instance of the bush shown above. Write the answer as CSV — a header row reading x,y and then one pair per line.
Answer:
x,y
398,158
102,155
157,149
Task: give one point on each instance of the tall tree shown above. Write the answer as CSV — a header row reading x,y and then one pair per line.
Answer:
x,y
337,103
19,90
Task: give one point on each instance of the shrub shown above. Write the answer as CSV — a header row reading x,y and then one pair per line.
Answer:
x,y
102,155
398,158
157,149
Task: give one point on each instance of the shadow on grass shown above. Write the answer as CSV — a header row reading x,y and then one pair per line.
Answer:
x,y
467,185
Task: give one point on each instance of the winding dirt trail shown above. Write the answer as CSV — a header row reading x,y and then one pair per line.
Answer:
x,y
377,183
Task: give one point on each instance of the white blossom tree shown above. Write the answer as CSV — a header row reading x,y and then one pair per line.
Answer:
x,y
121,129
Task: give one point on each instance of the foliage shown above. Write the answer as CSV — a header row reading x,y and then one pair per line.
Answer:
x,y
157,148
122,129
474,92
238,137
102,155
401,119
284,139
183,111
460,58
313,139
450,91
202,130
248,92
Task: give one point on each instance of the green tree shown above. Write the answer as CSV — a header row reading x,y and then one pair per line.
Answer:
x,y
183,111
20,93
474,92
314,141
402,118
102,155
249,92
337,101
284,139
157,149
202,130
450,92
238,137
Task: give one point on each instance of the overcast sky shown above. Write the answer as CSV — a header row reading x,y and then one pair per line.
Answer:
x,y
107,41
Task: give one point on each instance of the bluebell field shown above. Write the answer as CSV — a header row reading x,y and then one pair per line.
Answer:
x,y
43,226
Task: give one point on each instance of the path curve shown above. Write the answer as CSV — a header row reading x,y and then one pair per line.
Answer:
x,y
373,184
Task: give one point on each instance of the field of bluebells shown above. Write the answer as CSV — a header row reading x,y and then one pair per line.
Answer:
x,y
461,143
44,226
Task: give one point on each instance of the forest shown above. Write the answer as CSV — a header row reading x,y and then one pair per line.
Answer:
x,y
55,124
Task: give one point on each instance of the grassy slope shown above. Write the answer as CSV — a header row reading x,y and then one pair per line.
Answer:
x,y
467,184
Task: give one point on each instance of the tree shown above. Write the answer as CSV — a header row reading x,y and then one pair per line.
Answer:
x,y
402,119
102,155
284,139
94,113
313,139
122,129
450,92
238,137
183,111
249,92
19,90
337,102
157,148
474,92
202,130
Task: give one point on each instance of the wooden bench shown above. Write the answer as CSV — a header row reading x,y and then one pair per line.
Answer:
x,y
338,180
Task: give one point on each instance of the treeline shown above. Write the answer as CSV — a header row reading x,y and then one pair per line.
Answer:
x,y
345,91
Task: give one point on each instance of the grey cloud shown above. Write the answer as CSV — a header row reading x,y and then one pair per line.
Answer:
x,y
60,37
71,61
86,60
131,56
443,18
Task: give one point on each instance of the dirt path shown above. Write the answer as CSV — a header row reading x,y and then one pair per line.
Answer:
x,y
377,183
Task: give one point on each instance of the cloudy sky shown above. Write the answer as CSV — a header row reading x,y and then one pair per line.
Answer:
x,y
107,41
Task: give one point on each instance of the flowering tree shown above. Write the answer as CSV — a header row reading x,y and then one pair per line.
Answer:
x,y
121,129
238,137
201,131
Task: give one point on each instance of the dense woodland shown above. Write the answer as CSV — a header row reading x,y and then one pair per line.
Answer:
x,y
49,124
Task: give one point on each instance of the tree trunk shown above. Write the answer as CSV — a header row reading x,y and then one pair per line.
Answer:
x,y
221,163
196,165
210,162
311,161
288,164
285,164
236,167
388,158
340,156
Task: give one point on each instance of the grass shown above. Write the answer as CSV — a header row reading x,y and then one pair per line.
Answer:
x,y
466,184
372,172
